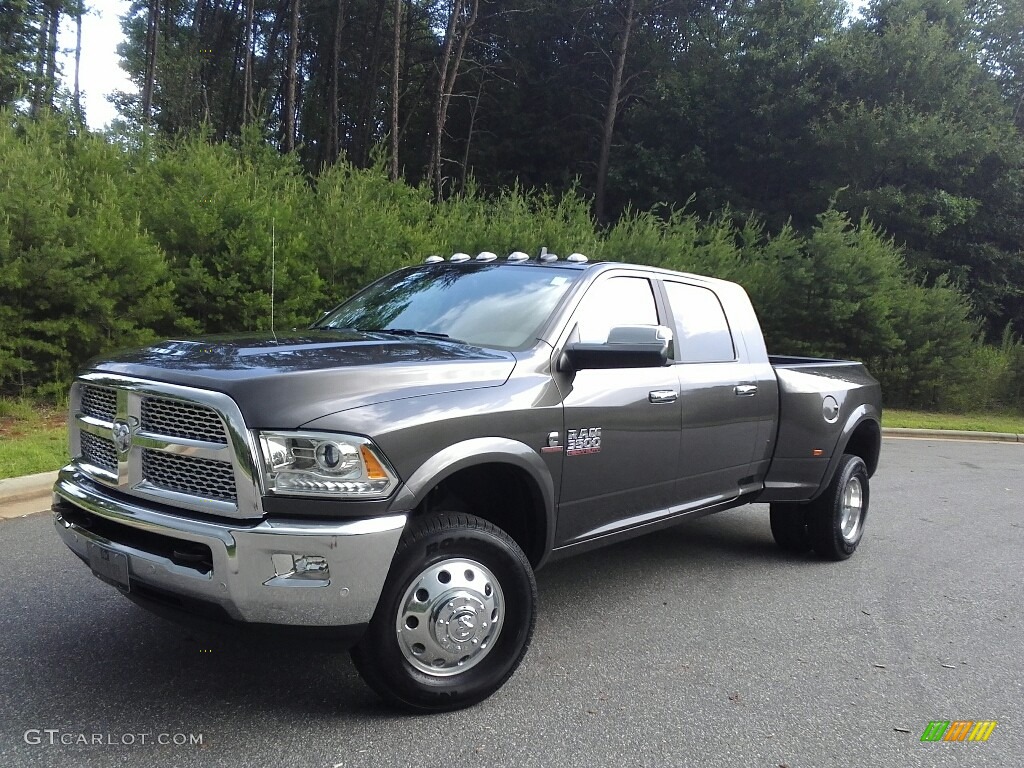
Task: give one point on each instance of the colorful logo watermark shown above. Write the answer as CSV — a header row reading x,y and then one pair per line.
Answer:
x,y
958,730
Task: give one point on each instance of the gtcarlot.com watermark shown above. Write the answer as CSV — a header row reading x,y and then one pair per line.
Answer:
x,y
54,736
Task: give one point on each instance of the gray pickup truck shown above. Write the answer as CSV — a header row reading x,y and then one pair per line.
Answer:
x,y
398,471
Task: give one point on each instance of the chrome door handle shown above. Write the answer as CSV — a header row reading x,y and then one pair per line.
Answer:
x,y
663,396
745,390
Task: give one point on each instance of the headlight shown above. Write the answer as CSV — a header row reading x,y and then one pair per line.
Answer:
x,y
324,464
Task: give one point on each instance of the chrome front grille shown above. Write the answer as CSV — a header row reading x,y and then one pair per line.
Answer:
x,y
189,475
99,452
99,402
178,446
176,418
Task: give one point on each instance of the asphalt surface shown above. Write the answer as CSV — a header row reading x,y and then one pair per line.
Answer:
x,y
700,646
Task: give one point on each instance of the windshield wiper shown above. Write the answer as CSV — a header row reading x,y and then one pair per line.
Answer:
x,y
406,332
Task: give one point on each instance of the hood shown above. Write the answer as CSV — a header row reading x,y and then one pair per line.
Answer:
x,y
282,382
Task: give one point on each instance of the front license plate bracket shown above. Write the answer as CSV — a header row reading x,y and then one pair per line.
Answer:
x,y
109,566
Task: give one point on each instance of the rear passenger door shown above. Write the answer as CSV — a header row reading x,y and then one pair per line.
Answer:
x,y
722,405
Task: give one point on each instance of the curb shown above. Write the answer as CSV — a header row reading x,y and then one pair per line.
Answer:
x,y
953,434
30,488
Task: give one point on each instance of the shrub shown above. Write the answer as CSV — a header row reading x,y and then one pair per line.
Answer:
x,y
77,275
104,246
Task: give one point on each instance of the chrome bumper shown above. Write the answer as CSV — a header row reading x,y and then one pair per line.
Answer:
x,y
244,577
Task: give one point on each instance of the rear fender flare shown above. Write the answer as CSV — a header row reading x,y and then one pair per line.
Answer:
x,y
859,415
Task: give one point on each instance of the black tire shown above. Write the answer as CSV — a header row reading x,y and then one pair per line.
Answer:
x,y
789,526
835,530
453,570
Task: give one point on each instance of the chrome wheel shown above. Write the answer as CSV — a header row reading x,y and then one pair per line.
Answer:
x,y
450,617
836,519
852,510
454,618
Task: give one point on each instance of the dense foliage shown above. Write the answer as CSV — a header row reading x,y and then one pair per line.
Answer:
x,y
103,245
913,112
863,177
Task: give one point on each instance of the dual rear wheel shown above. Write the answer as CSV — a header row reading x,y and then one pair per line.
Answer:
x,y
833,524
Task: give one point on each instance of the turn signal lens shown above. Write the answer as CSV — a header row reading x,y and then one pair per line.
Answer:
x,y
374,471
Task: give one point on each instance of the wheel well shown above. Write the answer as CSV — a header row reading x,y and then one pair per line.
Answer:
x,y
866,442
502,494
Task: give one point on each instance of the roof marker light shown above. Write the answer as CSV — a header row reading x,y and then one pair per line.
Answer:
x,y
459,257
518,256
577,258
432,260
486,256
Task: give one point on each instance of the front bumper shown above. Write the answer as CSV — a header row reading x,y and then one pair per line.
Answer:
x,y
239,574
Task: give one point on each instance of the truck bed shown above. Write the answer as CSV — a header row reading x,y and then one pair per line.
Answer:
x,y
790,361
807,441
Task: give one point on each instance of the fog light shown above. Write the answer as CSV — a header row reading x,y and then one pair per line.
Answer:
x,y
312,567
299,570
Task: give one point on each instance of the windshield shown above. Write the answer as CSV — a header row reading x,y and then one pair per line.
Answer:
x,y
487,305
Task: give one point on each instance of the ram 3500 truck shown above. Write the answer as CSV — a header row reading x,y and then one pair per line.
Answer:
x,y
399,470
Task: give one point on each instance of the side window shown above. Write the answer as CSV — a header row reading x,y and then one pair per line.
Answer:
x,y
615,301
702,332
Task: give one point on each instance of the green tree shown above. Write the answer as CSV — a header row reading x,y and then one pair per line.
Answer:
x,y
230,220
999,32
77,276
919,135
16,50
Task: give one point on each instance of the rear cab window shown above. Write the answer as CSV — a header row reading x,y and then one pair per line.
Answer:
x,y
702,333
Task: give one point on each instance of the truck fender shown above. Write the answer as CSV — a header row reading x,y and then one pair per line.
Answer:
x,y
861,414
481,450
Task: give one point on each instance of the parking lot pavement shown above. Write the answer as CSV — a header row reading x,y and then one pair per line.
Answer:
x,y
701,646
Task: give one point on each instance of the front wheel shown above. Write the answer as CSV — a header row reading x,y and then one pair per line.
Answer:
x,y
454,619
835,520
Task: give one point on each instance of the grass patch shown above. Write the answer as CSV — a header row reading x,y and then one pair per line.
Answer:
x,y
970,422
33,438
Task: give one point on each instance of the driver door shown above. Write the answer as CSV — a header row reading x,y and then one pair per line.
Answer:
x,y
622,436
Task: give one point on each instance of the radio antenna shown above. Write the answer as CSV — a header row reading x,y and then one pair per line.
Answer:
x,y
273,268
